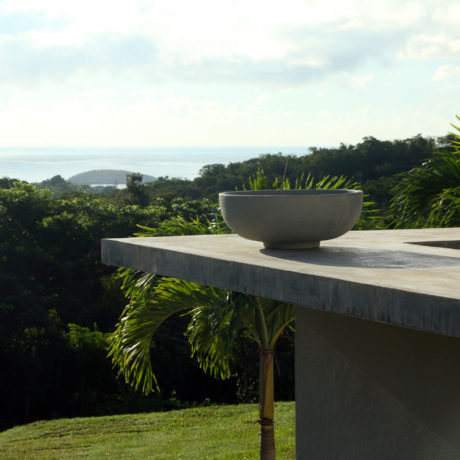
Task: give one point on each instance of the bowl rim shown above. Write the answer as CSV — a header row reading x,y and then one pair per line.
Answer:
x,y
291,193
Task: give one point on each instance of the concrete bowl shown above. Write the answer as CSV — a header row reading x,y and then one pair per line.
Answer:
x,y
291,219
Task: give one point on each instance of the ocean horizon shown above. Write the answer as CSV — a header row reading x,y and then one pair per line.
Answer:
x,y
35,164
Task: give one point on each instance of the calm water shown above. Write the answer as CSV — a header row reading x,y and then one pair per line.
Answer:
x,y
37,164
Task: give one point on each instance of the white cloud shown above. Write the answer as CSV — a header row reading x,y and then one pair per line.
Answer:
x,y
356,81
298,41
447,72
142,71
239,42
433,46
108,53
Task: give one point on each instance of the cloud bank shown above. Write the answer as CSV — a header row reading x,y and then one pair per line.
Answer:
x,y
156,72
264,42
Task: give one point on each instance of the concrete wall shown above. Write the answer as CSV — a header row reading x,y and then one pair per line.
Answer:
x,y
369,391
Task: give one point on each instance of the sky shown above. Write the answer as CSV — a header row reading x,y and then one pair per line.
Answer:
x,y
226,73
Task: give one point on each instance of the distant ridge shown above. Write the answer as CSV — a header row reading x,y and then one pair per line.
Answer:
x,y
105,177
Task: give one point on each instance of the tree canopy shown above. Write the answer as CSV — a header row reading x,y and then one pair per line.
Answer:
x,y
59,302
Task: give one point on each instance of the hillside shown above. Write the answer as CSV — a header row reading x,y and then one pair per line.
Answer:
x,y
229,432
105,177
373,163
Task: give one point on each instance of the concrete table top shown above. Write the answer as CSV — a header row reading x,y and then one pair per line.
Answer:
x,y
408,278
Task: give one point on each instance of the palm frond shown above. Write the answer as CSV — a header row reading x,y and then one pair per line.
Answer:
x,y
213,331
428,195
180,226
129,344
135,283
258,182
330,183
265,319
277,316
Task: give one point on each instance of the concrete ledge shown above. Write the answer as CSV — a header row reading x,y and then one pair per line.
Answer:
x,y
364,390
408,278
371,391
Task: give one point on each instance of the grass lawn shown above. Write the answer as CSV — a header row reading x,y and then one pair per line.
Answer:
x,y
215,432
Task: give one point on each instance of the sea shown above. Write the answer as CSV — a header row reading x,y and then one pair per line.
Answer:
x,y
35,164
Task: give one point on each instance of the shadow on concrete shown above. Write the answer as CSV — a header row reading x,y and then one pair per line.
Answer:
x,y
363,258
439,244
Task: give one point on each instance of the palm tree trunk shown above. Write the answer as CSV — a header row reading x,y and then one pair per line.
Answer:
x,y
266,405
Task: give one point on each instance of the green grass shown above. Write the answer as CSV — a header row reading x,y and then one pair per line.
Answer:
x,y
215,432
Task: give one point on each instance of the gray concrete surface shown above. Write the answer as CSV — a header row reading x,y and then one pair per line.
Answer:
x,y
408,278
369,391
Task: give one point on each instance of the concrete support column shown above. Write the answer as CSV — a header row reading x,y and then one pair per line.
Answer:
x,y
369,391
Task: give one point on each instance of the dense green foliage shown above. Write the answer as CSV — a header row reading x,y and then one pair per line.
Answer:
x,y
56,292
373,163
58,302
59,185
429,195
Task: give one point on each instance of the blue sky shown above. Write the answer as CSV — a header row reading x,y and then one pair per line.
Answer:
x,y
207,73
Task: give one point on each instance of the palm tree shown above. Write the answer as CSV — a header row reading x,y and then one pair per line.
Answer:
x,y
218,317
429,195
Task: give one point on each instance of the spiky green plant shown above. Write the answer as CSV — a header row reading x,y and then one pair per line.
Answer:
x,y
370,217
429,195
218,318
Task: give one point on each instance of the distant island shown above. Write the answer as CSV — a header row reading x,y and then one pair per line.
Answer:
x,y
105,177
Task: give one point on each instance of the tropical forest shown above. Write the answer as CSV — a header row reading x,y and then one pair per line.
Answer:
x,y
79,338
